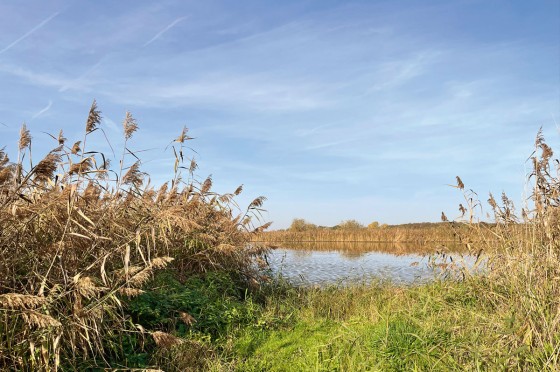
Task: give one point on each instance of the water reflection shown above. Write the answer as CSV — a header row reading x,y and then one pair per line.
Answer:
x,y
356,249
323,263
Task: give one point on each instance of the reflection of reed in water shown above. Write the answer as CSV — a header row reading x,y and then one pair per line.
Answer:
x,y
351,254
302,253
356,249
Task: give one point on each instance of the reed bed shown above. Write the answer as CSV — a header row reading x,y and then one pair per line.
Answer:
x,y
78,237
524,262
427,233
356,248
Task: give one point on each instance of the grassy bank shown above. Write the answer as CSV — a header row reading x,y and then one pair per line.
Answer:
x,y
480,323
441,326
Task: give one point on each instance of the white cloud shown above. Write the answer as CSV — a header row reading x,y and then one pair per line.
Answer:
x,y
44,79
242,92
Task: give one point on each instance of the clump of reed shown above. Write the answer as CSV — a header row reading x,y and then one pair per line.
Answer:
x,y
522,282
78,236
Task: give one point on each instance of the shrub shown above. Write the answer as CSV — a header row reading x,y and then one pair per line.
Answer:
x,y
350,225
374,225
299,224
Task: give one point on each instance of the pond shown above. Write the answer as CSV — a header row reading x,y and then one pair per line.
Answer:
x,y
332,263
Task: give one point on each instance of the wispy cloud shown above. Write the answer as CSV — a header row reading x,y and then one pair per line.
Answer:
x,y
393,74
35,78
240,92
164,30
42,111
111,124
323,145
29,33
48,79
74,83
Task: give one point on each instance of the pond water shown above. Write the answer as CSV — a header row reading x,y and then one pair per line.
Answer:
x,y
338,264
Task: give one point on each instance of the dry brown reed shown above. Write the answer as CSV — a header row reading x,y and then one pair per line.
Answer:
x,y
523,262
20,301
166,340
76,235
424,233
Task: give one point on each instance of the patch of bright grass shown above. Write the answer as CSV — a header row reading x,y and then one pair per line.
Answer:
x,y
440,326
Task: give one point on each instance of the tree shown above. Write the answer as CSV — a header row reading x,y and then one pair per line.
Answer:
x,y
299,224
350,225
374,225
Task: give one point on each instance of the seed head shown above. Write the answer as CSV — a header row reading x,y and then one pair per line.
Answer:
x,y
94,118
130,126
24,137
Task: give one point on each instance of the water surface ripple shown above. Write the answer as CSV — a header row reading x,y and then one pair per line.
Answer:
x,y
308,266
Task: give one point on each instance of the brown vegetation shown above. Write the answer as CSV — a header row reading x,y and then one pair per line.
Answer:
x,y
413,233
524,261
78,236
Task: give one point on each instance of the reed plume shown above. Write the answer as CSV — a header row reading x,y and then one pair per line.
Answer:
x,y
93,119
45,169
130,126
24,137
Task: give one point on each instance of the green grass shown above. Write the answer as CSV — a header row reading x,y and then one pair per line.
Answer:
x,y
440,326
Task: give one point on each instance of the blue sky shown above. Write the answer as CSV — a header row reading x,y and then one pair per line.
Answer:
x,y
331,109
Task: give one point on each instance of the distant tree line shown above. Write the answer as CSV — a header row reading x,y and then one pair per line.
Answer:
x,y
299,225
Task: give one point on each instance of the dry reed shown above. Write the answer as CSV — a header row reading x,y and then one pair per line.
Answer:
x,y
423,233
76,235
523,263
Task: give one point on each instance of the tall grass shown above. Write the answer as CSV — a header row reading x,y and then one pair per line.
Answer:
x,y
524,275
79,236
424,233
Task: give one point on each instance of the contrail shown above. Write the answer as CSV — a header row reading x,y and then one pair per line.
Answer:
x,y
42,111
72,83
158,35
28,33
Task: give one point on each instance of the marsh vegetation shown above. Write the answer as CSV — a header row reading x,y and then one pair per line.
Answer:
x,y
102,270
424,234
80,239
